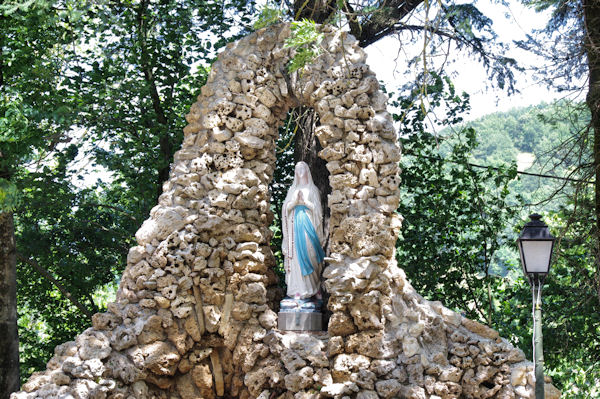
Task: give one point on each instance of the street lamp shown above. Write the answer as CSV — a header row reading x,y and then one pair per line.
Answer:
x,y
535,247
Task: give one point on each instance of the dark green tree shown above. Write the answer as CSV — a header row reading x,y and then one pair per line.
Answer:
x,y
572,303
129,71
455,215
137,82
570,44
74,242
35,112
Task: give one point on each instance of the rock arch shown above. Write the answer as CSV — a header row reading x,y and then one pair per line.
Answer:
x,y
193,316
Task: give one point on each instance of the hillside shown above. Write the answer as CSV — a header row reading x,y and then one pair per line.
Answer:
x,y
547,133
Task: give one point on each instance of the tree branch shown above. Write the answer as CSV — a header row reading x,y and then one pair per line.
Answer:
x,y
164,142
376,28
116,208
56,283
317,10
473,297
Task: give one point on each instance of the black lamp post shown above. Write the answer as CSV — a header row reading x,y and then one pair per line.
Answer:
x,y
535,247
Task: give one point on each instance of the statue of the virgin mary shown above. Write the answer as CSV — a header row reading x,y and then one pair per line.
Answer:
x,y
302,239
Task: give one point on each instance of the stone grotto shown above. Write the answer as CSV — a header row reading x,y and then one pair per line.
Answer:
x,y
195,314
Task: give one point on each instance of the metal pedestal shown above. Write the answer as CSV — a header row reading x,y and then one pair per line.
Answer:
x,y
300,321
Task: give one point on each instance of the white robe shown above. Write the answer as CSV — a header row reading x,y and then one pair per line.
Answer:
x,y
299,286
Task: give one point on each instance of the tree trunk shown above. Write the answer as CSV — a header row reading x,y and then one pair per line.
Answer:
x,y
306,148
165,146
591,15
9,335
316,10
9,338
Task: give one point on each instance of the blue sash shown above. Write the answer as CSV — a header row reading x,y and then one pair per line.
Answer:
x,y
302,228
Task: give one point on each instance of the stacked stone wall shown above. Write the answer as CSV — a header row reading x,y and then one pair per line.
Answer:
x,y
194,315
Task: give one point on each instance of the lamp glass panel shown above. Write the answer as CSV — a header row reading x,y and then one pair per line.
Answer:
x,y
536,255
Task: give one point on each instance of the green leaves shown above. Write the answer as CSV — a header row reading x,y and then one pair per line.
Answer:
x,y
457,241
9,196
304,33
13,122
117,79
269,15
306,40
9,8
455,214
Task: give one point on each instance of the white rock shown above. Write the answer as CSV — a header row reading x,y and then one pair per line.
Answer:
x,y
93,345
163,221
410,346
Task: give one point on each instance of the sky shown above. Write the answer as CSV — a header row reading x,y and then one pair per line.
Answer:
x,y
511,22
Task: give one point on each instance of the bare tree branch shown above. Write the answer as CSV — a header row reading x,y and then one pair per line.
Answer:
x,y
164,139
373,29
33,263
116,208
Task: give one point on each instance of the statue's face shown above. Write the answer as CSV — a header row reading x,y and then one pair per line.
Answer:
x,y
302,174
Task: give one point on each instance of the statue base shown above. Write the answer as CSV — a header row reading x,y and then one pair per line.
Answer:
x,y
300,314
300,321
